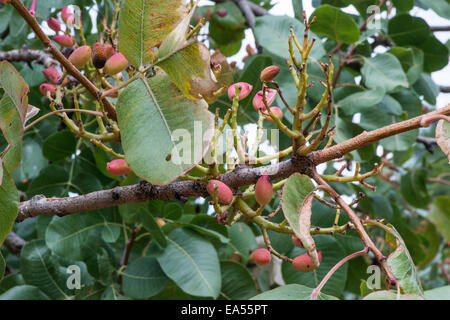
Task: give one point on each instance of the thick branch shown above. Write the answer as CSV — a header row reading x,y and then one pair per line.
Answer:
x,y
93,90
239,177
40,205
367,138
29,55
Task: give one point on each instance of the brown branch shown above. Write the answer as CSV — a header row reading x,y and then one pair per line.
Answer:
x,y
39,205
356,223
29,55
71,69
440,28
445,89
14,243
367,138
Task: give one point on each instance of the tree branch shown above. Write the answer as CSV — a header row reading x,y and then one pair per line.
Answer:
x,y
14,243
367,138
93,90
29,55
445,89
242,176
440,28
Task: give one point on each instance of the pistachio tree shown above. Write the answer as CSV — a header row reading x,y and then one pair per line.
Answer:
x,y
141,160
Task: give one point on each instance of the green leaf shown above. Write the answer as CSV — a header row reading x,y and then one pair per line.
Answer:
x,y
202,230
295,191
443,137
291,292
413,188
143,278
407,30
67,236
360,101
332,253
427,88
192,263
335,24
190,70
153,114
242,240
402,267
233,20
40,268
440,215
436,54
441,7
32,161
237,282
272,32
390,295
412,60
384,70
298,9
9,204
149,222
24,292
14,87
143,24
13,109
403,5
442,293
59,145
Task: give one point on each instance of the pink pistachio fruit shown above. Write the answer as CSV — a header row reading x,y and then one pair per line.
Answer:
x,y
245,90
258,103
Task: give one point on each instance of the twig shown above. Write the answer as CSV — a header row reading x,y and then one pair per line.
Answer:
x,y
334,269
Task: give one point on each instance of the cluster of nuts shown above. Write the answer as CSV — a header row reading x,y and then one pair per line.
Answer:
x,y
103,55
267,75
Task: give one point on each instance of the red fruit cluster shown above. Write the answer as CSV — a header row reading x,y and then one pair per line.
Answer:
x,y
224,193
261,256
303,263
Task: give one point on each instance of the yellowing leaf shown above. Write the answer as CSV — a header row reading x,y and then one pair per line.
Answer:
x,y
190,70
443,137
144,24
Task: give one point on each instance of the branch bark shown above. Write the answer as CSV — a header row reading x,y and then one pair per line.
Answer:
x,y
242,176
14,243
29,55
367,138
